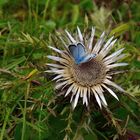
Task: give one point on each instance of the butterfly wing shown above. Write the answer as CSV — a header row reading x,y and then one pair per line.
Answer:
x,y
81,50
77,51
73,51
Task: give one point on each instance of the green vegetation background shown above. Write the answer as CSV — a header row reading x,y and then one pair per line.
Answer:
x,y
29,109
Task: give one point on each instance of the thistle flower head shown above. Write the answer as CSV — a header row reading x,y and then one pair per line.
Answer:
x,y
82,69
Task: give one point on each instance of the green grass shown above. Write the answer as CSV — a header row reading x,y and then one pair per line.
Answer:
x,y
29,108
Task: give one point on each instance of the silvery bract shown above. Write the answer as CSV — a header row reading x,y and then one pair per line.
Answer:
x,y
82,70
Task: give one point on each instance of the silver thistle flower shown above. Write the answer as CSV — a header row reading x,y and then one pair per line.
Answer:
x,y
83,69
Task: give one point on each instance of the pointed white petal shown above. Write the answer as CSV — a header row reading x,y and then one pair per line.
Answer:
x,y
86,101
120,57
97,98
55,58
103,98
74,91
80,34
76,99
108,42
108,76
60,79
57,77
60,84
106,45
84,95
108,82
59,71
107,49
111,60
55,71
59,59
116,65
99,44
68,83
55,49
111,92
89,92
100,93
91,38
55,65
63,78
71,99
114,54
81,92
70,37
69,90
49,71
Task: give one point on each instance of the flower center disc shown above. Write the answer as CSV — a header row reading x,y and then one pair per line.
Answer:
x,y
89,73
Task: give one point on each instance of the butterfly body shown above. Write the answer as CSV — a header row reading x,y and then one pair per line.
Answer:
x,y
79,53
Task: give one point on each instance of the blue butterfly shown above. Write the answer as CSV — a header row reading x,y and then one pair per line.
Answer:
x,y
79,53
